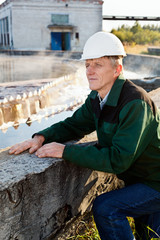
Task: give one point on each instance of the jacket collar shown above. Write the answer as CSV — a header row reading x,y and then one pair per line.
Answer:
x,y
115,91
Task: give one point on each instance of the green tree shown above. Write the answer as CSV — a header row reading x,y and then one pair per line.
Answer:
x,y
136,28
149,34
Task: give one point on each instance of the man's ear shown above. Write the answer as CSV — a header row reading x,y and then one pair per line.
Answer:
x,y
118,70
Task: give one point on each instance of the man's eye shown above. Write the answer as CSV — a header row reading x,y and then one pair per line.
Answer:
x,y
98,64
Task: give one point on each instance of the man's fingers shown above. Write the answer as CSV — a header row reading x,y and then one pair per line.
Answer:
x,y
14,148
18,148
31,144
33,149
40,152
44,151
18,151
51,150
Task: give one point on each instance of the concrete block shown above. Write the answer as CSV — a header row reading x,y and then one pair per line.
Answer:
x,y
8,113
34,104
150,65
39,196
1,117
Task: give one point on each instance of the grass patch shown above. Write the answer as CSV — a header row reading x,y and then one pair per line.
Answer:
x,y
136,49
86,229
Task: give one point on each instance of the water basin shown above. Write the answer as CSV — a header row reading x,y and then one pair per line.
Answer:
x,y
35,68
22,68
24,131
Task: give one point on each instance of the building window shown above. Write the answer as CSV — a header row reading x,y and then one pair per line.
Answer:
x,y
77,35
1,35
4,32
60,19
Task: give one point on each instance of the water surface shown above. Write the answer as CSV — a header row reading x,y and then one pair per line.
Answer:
x,y
24,132
21,68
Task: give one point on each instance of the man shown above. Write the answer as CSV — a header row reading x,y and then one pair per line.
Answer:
x,y
128,131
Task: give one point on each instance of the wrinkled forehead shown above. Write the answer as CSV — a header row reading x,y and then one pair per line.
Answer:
x,y
101,59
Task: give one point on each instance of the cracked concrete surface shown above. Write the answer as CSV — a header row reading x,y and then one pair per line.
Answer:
x,y
39,196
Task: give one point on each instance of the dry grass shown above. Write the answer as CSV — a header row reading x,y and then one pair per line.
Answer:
x,y
86,229
136,49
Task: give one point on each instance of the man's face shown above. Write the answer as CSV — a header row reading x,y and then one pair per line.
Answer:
x,y
101,74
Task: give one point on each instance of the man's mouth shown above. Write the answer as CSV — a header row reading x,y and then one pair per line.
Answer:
x,y
92,79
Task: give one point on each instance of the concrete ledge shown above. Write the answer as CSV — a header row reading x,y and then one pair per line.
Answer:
x,y
65,54
39,196
154,50
150,65
148,84
155,95
24,106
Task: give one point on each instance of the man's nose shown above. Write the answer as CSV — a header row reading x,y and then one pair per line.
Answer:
x,y
90,70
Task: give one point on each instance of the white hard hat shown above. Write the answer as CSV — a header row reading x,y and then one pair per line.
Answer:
x,y
102,44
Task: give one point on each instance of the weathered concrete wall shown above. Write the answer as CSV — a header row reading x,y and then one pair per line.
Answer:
x,y
39,196
143,64
155,95
24,105
65,54
148,84
154,50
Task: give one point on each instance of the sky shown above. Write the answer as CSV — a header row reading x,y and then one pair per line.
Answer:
x,y
148,8
128,8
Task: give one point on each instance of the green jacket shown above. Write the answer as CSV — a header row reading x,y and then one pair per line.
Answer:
x,y
128,131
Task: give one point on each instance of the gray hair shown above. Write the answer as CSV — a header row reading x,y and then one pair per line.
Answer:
x,y
115,60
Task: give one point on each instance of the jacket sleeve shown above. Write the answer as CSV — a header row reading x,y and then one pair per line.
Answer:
x,y
74,127
135,129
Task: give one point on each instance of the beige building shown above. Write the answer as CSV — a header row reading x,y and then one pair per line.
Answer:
x,y
48,24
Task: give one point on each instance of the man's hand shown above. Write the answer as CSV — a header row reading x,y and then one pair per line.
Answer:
x,y
53,149
32,144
